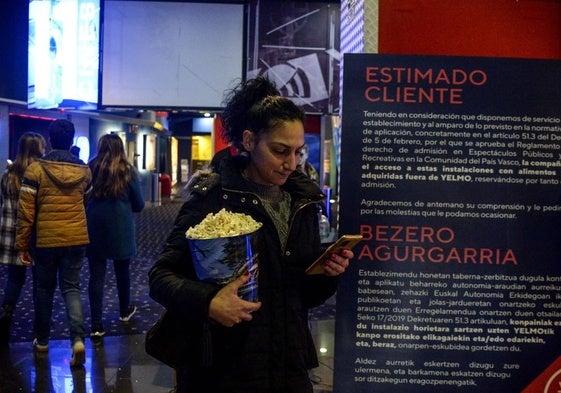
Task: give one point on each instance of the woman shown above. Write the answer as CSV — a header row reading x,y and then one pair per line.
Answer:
x,y
237,345
116,195
31,147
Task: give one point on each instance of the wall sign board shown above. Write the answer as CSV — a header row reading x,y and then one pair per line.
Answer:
x,y
457,284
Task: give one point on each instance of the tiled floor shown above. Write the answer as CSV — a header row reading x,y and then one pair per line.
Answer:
x,y
117,364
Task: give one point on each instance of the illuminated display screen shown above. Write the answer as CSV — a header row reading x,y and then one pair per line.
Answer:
x,y
170,54
63,54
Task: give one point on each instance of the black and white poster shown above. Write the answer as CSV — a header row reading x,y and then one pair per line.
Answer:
x,y
295,44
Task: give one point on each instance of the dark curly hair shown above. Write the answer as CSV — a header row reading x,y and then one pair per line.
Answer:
x,y
256,105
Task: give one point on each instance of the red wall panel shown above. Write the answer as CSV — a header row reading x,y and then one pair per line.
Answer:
x,y
496,28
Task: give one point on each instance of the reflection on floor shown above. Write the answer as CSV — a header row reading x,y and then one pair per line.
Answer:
x,y
118,364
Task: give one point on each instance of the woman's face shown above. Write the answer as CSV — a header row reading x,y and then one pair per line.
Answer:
x,y
274,154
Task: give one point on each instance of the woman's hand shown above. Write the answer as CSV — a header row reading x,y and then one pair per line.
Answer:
x,y
337,263
228,309
25,258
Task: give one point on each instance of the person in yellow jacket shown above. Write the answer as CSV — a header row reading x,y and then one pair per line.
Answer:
x,y
52,223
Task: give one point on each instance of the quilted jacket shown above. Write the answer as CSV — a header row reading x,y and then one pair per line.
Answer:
x,y
51,202
273,352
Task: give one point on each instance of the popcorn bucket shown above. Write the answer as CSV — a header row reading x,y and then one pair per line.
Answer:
x,y
222,260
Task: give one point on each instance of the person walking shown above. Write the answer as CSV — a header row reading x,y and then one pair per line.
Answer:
x,y
116,195
305,166
234,345
52,208
31,147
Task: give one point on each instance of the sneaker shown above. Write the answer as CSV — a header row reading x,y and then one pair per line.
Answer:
x,y
78,354
40,347
98,333
129,314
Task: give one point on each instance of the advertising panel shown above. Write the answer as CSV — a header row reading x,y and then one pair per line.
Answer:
x,y
170,54
63,54
296,44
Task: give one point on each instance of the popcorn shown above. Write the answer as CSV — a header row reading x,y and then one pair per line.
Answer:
x,y
223,224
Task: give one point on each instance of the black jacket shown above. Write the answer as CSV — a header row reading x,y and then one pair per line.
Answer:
x,y
273,352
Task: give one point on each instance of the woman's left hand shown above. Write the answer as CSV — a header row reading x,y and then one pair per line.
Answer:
x,y
337,263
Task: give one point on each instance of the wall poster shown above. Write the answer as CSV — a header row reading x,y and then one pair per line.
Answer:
x,y
295,44
457,286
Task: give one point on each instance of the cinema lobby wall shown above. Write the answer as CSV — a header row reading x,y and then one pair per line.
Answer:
x,y
498,28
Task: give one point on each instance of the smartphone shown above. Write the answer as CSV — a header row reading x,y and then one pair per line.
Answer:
x,y
344,242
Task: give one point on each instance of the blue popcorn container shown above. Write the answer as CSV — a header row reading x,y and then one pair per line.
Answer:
x,y
222,260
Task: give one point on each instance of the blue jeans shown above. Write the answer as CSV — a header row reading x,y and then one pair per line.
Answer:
x,y
98,268
66,263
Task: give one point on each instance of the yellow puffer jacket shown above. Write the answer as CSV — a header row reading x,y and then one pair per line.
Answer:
x,y
52,202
